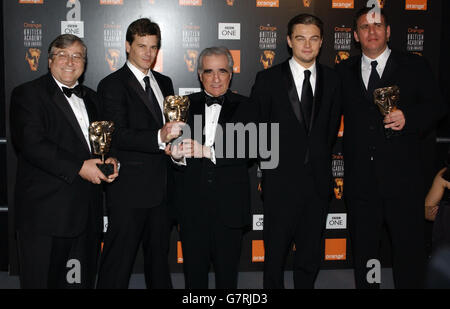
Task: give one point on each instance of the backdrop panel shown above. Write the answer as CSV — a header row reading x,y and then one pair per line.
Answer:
x,y
255,32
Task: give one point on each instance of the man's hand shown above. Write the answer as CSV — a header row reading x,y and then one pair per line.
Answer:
x,y
114,162
90,172
395,120
175,151
193,149
171,130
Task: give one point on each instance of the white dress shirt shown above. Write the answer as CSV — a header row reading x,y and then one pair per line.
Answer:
x,y
212,114
79,110
298,72
158,94
366,66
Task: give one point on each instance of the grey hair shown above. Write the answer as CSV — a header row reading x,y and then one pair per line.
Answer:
x,y
216,51
63,41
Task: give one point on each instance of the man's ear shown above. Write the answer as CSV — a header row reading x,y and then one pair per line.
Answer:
x,y
355,35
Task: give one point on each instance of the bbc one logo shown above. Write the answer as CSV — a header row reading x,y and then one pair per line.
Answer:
x,y
229,31
336,221
258,222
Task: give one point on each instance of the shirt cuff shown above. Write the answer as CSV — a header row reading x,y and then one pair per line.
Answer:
x,y
162,145
213,155
182,162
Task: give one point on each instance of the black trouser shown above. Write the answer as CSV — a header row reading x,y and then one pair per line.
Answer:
x,y
404,219
212,242
302,224
127,229
59,262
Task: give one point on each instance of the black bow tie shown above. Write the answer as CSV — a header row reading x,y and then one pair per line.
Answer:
x,y
214,100
78,91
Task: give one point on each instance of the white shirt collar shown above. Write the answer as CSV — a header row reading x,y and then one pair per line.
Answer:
x,y
138,73
299,69
381,59
60,85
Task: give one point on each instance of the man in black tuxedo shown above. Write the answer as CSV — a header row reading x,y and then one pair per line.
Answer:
x,y
212,190
383,177
58,199
133,98
301,96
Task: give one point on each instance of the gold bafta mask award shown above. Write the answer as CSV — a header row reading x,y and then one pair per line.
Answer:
x,y
100,135
176,108
387,100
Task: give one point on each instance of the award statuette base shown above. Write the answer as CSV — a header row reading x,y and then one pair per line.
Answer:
x,y
107,169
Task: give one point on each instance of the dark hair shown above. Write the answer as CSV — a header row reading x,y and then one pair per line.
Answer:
x,y
366,10
63,41
143,27
305,19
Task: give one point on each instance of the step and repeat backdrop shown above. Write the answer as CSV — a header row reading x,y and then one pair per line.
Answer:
x,y
254,31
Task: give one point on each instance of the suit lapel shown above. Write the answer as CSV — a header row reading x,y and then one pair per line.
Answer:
x,y
389,70
197,108
61,102
134,84
228,108
291,91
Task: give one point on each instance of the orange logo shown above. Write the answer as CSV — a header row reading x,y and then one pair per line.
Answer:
x,y
418,5
111,2
267,3
179,253
307,3
112,58
236,54
267,58
32,56
158,65
230,2
343,4
336,249
339,188
257,251
190,58
190,2
31,1
340,56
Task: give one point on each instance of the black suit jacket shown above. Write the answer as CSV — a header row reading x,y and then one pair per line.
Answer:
x,y
143,172
276,95
397,161
227,181
50,197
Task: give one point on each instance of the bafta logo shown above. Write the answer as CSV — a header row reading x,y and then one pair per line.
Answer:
x,y
341,56
32,56
230,2
387,100
190,58
267,58
307,3
339,188
100,135
112,57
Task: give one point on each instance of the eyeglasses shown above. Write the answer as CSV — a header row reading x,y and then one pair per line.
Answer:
x,y
63,56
